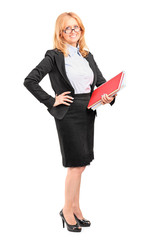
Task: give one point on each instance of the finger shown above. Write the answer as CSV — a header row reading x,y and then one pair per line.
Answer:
x,y
66,92
103,99
68,104
105,102
66,96
109,98
106,98
68,100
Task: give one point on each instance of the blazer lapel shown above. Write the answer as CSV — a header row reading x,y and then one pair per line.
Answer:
x,y
59,57
61,66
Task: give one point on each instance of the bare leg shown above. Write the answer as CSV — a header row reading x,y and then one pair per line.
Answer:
x,y
76,204
72,184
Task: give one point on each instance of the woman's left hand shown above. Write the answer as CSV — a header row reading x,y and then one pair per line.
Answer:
x,y
105,99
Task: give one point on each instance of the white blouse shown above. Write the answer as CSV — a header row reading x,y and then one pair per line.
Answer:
x,y
78,70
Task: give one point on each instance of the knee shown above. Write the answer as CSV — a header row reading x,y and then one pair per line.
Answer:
x,y
82,169
76,170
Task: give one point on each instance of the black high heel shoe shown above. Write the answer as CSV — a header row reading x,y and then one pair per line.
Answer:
x,y
83,223
71,228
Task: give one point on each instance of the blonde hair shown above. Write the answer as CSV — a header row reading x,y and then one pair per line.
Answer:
x,y
58,40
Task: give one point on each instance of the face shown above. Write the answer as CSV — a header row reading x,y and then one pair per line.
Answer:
x,y
72,37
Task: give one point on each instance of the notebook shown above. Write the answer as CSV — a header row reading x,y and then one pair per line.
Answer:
x,y
111,87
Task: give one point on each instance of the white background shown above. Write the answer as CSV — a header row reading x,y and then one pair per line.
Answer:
x,y
120,189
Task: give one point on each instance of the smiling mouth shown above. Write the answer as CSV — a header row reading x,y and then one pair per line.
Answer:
x,y
73,36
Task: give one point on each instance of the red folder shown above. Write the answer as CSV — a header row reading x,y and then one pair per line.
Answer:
x,y
110,88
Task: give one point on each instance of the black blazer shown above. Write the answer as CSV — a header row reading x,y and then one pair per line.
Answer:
x,y
53,64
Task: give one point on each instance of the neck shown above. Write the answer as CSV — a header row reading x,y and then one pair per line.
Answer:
x,y
73,44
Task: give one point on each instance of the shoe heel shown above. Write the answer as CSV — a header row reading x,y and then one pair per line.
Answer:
x,y
72,228
63,222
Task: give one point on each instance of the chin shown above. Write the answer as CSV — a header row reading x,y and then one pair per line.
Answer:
x,y
75,42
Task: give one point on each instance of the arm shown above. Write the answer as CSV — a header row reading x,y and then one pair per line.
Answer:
x,y
33,79
101,79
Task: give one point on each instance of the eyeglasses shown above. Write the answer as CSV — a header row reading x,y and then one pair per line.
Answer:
x,y
68,30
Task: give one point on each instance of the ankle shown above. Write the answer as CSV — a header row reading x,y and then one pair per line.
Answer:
x,y
67,209
75,208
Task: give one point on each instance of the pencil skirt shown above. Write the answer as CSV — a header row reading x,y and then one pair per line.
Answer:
x,y
76,132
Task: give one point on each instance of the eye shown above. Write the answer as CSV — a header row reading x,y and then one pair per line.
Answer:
x,y
68,28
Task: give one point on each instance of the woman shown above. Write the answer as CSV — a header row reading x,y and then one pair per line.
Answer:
x,y
73,73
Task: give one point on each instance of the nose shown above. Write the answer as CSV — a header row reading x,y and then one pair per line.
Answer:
x,y
72,30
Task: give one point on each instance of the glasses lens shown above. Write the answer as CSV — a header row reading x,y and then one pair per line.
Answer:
x,y
77,29
69,30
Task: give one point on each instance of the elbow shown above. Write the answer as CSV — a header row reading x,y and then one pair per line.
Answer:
x,y
26,83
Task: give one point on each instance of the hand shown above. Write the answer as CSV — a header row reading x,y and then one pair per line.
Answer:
x,y
105,99
61,98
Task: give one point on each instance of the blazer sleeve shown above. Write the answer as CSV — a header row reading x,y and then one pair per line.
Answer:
x,y
101,79
31,82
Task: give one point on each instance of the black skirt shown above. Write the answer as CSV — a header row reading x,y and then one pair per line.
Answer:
x,y
76,132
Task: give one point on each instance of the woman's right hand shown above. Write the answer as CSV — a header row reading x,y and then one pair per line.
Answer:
x,y
62,98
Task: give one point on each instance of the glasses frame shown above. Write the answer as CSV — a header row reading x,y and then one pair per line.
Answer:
x,y
72,30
